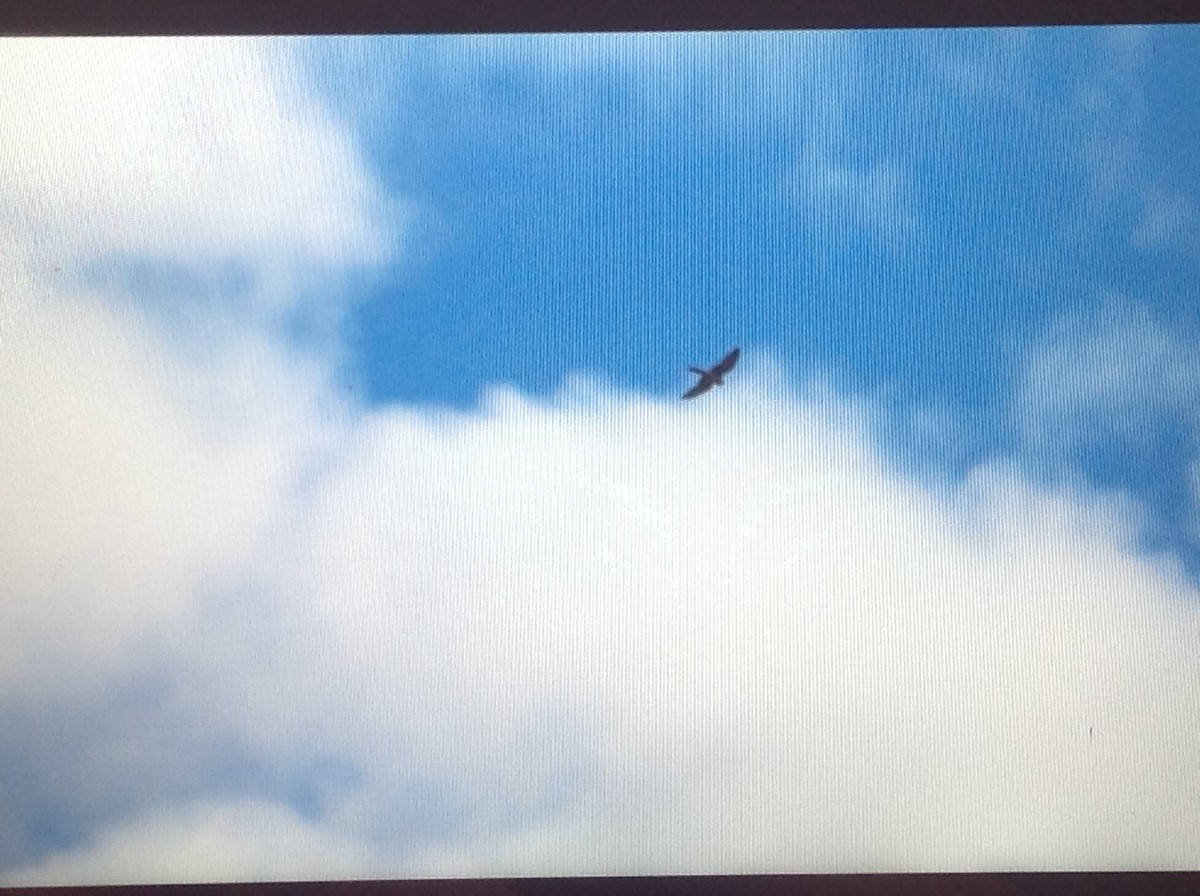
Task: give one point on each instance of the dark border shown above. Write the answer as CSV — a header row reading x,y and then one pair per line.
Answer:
x,y
1015,884
196,17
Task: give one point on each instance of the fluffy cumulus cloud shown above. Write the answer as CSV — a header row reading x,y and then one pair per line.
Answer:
x,y
183,150
653,638
142,458
134,463
253,631
612,634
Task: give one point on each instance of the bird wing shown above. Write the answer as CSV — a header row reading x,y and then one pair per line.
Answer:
x,y
727,362
699,389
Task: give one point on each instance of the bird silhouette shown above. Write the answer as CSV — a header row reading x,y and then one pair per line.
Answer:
x,y
714,376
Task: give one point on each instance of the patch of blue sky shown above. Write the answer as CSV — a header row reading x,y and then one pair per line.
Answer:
x,y
613,240
577,232
903,213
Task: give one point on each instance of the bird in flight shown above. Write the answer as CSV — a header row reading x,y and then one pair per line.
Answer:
x,y
714,376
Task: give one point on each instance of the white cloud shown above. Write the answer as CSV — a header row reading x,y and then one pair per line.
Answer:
x,y
797,648
127,474
624,635
138,467
632,636
616,634
142,461
131,478
194,150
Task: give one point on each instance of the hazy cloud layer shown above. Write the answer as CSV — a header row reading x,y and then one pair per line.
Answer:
x,y
1119,371
878,202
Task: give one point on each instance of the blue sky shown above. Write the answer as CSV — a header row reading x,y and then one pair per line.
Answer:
x,y
906,213
360,530
864,213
